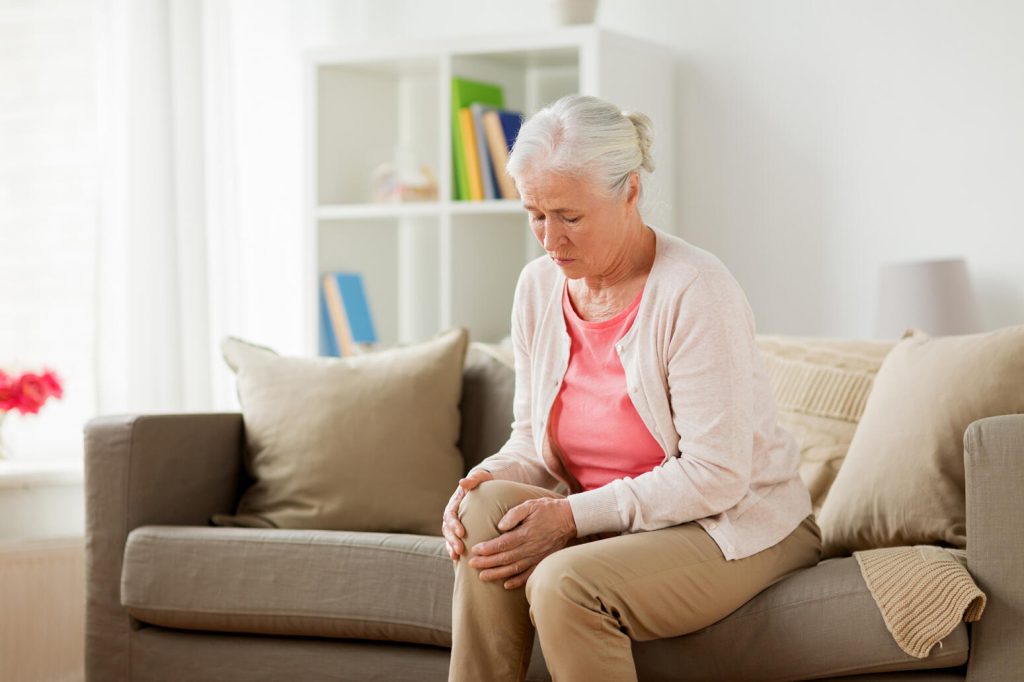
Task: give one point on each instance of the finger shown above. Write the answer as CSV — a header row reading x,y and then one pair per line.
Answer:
x,y
456,526
498,544
503,572
493,560
457,545
514,516
451,537
503,549
517,581
473,481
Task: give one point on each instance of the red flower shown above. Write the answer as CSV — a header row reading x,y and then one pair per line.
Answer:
x,y
28,392
53,386
8,397
33,393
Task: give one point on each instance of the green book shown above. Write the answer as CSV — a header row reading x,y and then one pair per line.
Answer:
x,y
464,93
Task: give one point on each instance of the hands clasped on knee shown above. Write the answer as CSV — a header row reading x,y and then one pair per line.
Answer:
x,y
530,531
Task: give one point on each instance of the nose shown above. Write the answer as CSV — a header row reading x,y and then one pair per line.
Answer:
x,y
550,235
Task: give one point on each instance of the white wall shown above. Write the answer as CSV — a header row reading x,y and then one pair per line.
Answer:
x,y
820,139
817,139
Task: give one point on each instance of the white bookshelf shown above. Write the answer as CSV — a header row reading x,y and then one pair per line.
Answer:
x,y
431,265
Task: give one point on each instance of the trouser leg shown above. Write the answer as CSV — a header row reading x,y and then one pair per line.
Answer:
x,y
589,601
492,636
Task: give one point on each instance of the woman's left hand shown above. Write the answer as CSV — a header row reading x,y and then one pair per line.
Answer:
x,y
530,531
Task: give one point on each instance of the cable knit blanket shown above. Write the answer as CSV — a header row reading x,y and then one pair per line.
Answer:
x,y
923,592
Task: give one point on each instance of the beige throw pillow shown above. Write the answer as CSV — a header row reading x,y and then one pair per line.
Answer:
x,y
358,443
820,386
903,479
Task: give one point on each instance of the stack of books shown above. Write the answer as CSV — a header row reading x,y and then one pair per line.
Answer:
x,y
346,327
483,133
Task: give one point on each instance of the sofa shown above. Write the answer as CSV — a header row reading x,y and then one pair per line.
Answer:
x,y
172,597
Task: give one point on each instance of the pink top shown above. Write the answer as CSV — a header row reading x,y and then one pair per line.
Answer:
x,y
594,427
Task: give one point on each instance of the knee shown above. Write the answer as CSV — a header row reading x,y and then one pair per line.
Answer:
x,y
483,507
555,583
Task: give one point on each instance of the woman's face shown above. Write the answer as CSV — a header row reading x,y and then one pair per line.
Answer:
x,y
579,229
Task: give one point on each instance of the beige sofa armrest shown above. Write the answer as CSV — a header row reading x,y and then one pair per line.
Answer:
x,y
994,468
140,470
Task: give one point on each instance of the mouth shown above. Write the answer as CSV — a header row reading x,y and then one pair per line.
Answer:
x,y
562,261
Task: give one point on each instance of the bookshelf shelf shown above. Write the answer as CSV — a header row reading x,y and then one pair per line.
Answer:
x,y
431,265
375,210
510,206
418,208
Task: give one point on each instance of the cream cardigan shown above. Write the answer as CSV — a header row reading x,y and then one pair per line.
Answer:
x,y
698,382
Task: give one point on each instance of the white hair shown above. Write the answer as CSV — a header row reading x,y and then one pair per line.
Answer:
x,y
586,136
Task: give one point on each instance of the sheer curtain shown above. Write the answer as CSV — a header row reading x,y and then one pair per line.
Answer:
x,y
47,212
150,200
154,265
201,230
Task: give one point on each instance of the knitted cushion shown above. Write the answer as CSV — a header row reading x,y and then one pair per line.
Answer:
x,y
820,387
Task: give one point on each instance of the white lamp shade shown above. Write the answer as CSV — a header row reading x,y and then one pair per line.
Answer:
x,y
933,296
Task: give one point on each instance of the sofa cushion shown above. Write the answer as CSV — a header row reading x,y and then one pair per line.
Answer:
x,y
902,482
820,386
361,585
365,443
488,388
817,622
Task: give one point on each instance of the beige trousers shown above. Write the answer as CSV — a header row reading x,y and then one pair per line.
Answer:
x,y
589,599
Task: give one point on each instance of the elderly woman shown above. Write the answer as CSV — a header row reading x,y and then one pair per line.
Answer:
x,y
640,387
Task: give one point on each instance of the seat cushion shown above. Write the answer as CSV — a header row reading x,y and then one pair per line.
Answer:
x,y
361,585
818,622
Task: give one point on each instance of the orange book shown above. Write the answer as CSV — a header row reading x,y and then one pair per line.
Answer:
x,y
476,183
339,319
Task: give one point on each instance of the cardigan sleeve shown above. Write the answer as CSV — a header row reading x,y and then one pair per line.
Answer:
x,y
518,460
710,384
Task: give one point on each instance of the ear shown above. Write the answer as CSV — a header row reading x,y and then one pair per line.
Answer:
x,y
633,194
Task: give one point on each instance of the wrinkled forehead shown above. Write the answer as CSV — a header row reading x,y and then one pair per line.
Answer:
x,y
554,191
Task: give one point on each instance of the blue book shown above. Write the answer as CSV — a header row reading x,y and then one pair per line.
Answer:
x,y
344,314
356,307
510,123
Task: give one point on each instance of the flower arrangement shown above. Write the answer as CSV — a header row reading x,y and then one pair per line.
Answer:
x,y
26,393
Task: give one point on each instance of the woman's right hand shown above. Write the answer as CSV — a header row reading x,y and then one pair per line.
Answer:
x,y
451,526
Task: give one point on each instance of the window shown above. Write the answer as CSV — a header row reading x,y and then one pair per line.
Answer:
x,y
48,212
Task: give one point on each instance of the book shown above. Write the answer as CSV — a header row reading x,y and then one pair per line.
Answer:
x,y
487,169
328,342
345,314
464,92
499,145
472,159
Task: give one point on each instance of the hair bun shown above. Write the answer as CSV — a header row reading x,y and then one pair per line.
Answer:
x,y
645,137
